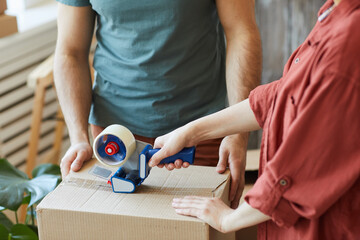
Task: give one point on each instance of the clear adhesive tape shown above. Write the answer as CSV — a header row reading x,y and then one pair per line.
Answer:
x,y
124,135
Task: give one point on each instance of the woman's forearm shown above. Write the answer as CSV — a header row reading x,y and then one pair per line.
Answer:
x,y
232,120
244,216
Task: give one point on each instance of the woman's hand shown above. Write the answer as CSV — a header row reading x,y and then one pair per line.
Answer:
x,y
170,144
211,210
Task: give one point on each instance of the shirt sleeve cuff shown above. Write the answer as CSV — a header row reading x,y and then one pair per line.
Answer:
x,y
267,197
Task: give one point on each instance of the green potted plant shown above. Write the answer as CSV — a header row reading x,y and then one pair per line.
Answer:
x,y
16,189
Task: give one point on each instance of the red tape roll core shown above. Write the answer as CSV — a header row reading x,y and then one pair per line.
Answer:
x,y
111,148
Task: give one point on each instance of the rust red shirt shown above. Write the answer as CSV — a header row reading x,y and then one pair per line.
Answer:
x,y
310,153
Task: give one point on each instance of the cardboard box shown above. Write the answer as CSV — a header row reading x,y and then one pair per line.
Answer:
x,y
3,6
8,25
83,206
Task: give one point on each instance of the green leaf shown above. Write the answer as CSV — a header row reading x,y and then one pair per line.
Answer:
x,y
40,186
5,221
47,168
34,229
14,183
4,233
26,199
8,173
9,170
21,231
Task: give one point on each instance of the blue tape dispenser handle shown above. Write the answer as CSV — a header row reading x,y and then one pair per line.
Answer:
x,y
186,155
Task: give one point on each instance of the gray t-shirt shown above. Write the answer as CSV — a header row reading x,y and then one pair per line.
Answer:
x,y
158,64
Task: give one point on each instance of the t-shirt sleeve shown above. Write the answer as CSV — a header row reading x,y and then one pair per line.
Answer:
x,y
261,99
75,3
319,159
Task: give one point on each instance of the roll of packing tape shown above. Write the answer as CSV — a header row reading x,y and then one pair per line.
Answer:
x,y
114,145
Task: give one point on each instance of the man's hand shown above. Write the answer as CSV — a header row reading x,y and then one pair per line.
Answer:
x,y
233,153
211,210
75,157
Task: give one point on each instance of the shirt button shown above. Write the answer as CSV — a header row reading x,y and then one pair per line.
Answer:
x,y
283,182
297,60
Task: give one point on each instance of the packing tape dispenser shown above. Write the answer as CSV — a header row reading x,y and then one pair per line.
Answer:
x,y
117,146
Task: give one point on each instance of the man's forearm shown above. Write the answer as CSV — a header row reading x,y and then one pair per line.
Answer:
x,y
243,63
243,66
73,85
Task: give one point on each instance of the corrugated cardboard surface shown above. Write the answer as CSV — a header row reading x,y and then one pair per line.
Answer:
x,y
3,6
84,207
8,25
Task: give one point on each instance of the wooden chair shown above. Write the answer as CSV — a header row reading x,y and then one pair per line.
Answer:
x,y
41,79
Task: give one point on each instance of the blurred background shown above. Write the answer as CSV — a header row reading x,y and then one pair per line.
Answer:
x,y
31,126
